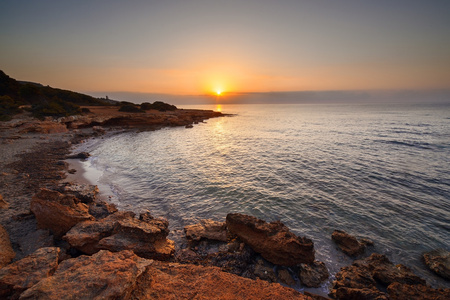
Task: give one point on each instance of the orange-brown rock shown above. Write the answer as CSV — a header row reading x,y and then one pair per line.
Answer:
x,y
439,262
272,240
207,229
170,281
87,193
122,231
104,275
348,243
23,274
398,291
3,203
362,279
46,127
58,212
6,252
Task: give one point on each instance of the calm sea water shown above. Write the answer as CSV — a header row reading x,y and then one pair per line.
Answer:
x,y
376,171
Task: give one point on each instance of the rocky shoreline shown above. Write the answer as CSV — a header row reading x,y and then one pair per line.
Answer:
x,y
60,241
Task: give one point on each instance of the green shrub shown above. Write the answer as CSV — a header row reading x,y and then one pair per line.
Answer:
x,y
130,108
54,108
8,108
158,105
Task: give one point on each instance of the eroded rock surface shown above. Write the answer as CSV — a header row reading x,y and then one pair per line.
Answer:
x,y
313,275
6,252
364,278
23,274
398,291
87,193
122,231
58,212
272,240
439,262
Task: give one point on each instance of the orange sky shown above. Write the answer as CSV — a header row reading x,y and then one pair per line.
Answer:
x,y
197,47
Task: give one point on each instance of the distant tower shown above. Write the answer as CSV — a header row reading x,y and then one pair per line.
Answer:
x,y
107,97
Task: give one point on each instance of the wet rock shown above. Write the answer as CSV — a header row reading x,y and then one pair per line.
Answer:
x,y
176,281
313,275
187,256
206,229
364,277
58,212
34,240
265,271
23,274
81,155
101,209
122,231
87,193
6,252
348,243
104,275
398,291
285,277
3,203
314,296
439,262
272,240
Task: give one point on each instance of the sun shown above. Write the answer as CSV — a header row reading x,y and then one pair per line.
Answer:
x,y
218,92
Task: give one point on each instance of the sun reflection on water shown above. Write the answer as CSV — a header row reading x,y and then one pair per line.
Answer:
x,y
218,107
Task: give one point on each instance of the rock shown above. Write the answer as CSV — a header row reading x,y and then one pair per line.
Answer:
x,y
285,277
185,256
3,203
104,275
348,243
398,291
363,278
47,127
265,272
81,155
101,209
23,274
272,240
206,229
122,231
6,252
98,129
439,262
314,296
164,280
87,193
313,275
58,212
34,240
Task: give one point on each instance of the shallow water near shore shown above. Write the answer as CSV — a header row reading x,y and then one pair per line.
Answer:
x,y
376,171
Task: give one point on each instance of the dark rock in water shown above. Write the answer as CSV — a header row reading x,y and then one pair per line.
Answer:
x,y
272,240
58,212
313,275
362,279
314,296
23,274
122,231
6,252
348,243
398,291
186,256
206,229
285,277
439,262
81,155
87,193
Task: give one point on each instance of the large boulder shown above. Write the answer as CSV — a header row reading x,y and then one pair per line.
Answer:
x,y
439,262
122,231
6,251
104,275
348,243
207,229
23,274
58,212
272,240
179,281
363,278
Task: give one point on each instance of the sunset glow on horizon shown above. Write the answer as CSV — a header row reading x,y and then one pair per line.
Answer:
x,y
187,48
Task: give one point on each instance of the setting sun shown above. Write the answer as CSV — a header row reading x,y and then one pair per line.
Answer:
x,y
218,92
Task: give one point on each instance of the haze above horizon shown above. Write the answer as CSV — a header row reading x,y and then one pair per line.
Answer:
x,y
202,47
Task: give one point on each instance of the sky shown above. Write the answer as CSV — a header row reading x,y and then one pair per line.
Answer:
x,y
194,47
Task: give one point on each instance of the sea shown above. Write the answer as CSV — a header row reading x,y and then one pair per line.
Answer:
x,y
376,171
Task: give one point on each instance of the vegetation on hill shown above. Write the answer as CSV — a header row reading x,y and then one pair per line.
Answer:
x,y
158,105
41,100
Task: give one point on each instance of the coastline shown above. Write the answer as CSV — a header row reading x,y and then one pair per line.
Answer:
x,y
26,237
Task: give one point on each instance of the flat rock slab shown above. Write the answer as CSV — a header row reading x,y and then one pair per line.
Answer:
x,y
207,229
439,262
272,240
348,243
